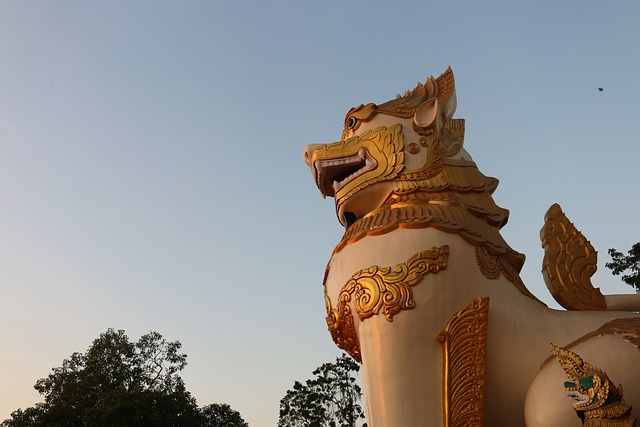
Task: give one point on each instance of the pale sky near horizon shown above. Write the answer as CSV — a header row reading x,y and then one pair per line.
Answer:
x,y
151,174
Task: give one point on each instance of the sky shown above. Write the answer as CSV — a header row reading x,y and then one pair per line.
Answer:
x,y
151,175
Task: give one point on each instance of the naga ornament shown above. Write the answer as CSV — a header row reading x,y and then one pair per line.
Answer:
x,y
597,401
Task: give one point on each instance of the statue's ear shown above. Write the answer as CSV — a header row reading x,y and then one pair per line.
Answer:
x,y
426,114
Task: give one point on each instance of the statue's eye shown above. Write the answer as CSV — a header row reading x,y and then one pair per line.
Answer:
x,y
351,122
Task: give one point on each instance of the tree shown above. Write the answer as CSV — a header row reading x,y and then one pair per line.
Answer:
x,y
117,382
621,263
331,399
221,415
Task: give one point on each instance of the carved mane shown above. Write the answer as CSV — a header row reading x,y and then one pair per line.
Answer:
x,y
457,200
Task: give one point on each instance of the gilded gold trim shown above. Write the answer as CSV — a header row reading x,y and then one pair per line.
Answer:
x,y
412,180
413,148
629,327
342,328
405,105
447,145
464,342
569,262
599,421
383,148
472,216
459,185
378,290
603,422
445,214
453,136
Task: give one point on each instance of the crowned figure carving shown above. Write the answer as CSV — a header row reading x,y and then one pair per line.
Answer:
x,y
597,401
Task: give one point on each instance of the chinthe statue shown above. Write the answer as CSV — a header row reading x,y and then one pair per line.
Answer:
x,y
425,293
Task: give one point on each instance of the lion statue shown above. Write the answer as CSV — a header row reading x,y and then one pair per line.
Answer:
x,y
425,293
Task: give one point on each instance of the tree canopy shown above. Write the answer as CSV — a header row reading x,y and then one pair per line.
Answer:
x,y
621,263
221,415
330,399
117,382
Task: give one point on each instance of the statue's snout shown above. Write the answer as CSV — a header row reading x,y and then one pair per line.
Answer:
x,y
308,153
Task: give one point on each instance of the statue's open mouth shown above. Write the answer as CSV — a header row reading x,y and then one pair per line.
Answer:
x,y
333,174
579,399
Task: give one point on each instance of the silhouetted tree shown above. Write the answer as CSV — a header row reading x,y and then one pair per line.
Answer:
x,y
117,382
631,263
331,399
221,415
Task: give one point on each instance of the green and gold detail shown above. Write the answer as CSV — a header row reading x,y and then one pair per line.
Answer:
x,y
597,400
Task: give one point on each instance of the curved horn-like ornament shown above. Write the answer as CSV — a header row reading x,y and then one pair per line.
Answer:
x,y
431,87
426,116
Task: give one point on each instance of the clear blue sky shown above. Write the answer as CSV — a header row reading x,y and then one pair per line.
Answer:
x,y
151,174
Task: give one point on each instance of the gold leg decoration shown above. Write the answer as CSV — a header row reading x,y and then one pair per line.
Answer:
x,y
378,290
464,341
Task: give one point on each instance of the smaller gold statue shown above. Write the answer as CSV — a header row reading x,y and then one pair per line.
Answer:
x,y
597,401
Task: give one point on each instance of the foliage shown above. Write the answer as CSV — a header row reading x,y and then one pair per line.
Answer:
x,y
331,399
621,263
221,415
119,383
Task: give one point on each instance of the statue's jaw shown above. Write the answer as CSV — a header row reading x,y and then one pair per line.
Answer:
x,y
345,169
578,398
363,202
333,174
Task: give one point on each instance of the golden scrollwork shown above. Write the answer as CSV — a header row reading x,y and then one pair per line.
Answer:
x,y
568,264
464,203
342,329
438,149
377,290
493,266
464,341
490,265
459,202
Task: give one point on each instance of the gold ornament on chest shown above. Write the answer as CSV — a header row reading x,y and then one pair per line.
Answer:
x,y
379,290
